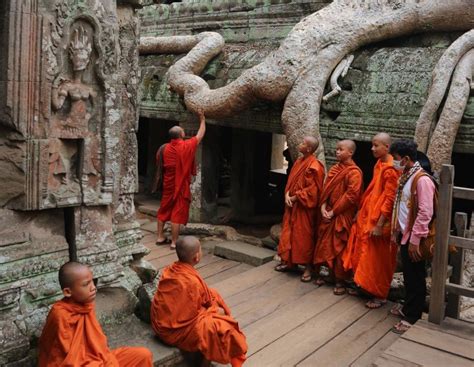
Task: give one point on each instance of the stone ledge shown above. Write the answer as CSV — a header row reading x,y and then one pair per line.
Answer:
x,y
243,252
133,332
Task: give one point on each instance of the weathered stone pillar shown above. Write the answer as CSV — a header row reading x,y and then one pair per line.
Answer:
x,y
210,171
196,209
278,145
68,116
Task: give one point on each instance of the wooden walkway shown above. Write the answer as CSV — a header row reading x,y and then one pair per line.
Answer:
x,y
428,344
290,323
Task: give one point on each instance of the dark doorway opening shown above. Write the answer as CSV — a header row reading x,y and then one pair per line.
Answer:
x,y
70,232
463,177
152,133
238,177
365,160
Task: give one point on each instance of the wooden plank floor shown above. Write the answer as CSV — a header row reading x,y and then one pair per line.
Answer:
x,y
290,323
426,344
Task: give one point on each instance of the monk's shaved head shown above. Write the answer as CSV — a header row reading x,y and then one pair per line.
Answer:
x,y
175,132
349,144
312,143
383,138
187,247
69,272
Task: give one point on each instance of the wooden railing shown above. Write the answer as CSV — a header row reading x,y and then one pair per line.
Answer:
x,y
439,268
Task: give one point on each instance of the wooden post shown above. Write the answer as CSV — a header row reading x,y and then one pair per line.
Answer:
x,y
440,257
457,262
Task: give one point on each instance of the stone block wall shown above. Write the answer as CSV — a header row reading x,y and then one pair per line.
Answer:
x,y
384,90
69,78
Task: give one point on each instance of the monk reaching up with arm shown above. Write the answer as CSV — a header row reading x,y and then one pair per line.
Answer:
x,y
72,335
186,313
370,253
302,193
177,165
339,200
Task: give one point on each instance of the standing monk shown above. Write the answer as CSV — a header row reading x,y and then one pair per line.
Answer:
x,y
370,253
301,201
186,313
339,200
178,165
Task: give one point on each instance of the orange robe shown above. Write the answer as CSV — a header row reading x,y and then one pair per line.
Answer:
x,y
184,313
373,259
178,166
297,237
72,336
341,193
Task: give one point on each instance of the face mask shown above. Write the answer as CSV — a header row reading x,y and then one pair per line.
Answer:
x,y
398,165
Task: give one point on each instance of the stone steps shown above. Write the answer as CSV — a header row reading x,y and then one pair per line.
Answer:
x,y
134,332
243,252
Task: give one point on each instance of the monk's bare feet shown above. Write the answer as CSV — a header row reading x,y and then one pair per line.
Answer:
x,y
319,281
307,275
172,246
162,241
339,289
375,303
282,267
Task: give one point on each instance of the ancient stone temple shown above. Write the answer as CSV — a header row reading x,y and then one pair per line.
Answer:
x,y
82,115
68,119
385,89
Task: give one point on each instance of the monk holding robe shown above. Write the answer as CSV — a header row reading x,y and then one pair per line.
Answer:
x,y
72,335
302,193
186,313
370,254
339,200
176,160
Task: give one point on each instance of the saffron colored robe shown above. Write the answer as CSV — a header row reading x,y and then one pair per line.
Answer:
x,y
341,193
297,237
72,336
178,166
373,259
184,313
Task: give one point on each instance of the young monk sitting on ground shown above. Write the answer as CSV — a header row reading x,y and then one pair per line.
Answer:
x,y
302,193
339,199
187,314
73,337
370,253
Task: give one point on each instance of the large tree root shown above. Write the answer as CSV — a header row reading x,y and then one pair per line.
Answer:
x,y
442,140
308,55
340,71
440,82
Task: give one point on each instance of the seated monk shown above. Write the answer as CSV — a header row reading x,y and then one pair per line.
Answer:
x,y
370,253
187,314
302,193
72,335
339,200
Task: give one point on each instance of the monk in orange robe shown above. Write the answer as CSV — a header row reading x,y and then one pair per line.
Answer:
x,y
339,200
370,254
302,193
186,313
178,166
73,337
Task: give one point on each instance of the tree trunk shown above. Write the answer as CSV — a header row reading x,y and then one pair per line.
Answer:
x,y
441,78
